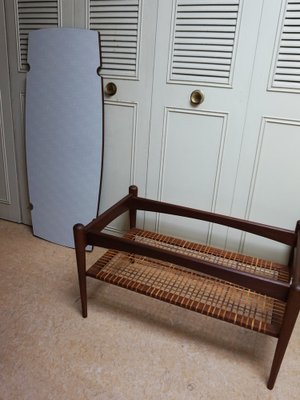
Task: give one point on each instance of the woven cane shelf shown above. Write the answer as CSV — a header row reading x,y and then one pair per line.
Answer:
x,y
246,291
194,291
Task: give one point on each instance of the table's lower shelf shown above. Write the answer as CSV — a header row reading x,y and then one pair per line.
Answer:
x,y
201,293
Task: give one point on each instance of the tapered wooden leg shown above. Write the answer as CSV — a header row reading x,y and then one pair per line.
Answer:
x,y
133,190
289,320
80,245
291,257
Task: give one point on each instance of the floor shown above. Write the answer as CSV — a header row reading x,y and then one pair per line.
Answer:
x,y
130,347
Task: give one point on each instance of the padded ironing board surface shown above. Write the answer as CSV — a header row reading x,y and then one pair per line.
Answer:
x,y
63,130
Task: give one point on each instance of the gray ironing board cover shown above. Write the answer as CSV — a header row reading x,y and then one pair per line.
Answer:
x,y
64,130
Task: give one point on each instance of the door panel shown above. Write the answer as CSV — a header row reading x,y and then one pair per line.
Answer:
x,y
127,36
274,188
23,16
268,178
119,165
204,163
214,176
9,195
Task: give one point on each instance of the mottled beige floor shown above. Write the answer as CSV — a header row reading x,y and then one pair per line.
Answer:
x,y
129,347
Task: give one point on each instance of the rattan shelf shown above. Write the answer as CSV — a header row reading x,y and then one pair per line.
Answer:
x,y
195,291
247,291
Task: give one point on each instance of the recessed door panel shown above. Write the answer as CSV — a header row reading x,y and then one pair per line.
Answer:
x,y
190,166
275,194
267,185
9,190
119,156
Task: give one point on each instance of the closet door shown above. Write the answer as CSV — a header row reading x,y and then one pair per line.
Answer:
x,y
268,182
22,16
127,37
9,196
194,148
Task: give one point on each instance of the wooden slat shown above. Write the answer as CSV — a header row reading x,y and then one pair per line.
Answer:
x,y
281,235
206,28
208,3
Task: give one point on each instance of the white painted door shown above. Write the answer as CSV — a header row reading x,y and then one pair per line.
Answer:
x,y
194,150
237,152
127,31
22,16
268,181
9,195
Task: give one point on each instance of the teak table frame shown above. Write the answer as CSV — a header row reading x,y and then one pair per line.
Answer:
x,y
247,291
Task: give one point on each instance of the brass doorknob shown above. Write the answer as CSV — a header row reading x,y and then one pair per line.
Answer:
x,y
196,97
110,89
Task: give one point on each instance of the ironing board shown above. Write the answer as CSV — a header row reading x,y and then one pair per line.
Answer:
x,y
64,129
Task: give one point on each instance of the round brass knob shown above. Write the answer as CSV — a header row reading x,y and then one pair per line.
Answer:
x,y
196,97
110,89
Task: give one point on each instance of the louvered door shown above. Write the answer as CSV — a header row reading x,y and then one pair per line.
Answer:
x,y
268,180
22,16
194,149
9,195
127,38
